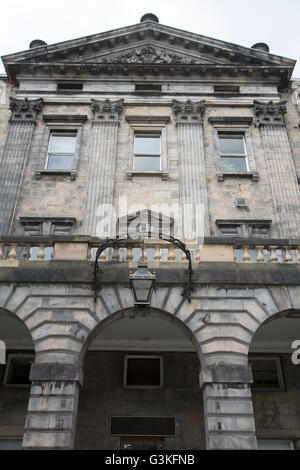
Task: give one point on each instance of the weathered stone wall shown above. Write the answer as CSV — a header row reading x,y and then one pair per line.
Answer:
x,y
277,414
103,395
58,195
13,408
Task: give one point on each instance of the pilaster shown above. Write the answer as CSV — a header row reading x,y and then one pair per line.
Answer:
x,y
103,153
228,409
52,409
193,188
280,164
12,164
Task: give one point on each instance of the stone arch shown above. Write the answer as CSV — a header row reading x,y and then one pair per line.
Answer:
x,y
167,302
137,313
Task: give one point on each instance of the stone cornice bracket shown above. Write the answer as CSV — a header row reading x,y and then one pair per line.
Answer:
x,y
269,114
107,111
25,110
188,112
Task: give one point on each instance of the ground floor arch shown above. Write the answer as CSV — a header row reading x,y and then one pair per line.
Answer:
x,y
141,374
276,381
17,355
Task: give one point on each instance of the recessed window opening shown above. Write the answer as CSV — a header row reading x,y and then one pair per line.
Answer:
x,y
61,150
232,153
143,371
69,86
147,151
226,89
147,88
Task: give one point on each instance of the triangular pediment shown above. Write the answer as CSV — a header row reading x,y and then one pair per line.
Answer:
x,y
144,44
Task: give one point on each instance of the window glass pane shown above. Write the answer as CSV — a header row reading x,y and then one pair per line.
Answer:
x,y
147,145
10,444
233,164
232,146
62,143
265,374
143,372
273,445
60,162
147,163
19,370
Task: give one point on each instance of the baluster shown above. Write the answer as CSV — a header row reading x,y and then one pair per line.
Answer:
x,y
171,254
273,254
198,255
116,256
1,250
298,253
41,253
260,256
157,254
144,254
246,256
26,252
89,254
13,251
287,253
129,255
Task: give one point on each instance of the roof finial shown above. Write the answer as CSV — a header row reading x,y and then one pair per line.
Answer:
x,y
149,17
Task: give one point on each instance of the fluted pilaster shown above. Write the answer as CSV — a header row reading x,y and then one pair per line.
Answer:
x,y
14,157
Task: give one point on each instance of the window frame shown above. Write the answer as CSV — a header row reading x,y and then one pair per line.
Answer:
x,y
10,357
281,383
59,123
279,441
63,133
233,135
146,134
148,125
142,356
234,125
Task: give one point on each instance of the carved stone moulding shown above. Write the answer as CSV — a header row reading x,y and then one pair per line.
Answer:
x,y
24,110
107,111
188,112
269,114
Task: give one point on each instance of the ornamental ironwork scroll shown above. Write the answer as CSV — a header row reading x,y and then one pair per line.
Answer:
x,y
187,292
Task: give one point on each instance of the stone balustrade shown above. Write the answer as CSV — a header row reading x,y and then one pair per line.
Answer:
x,y
16,249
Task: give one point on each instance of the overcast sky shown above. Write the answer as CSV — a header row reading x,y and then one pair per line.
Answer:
x,y
275,22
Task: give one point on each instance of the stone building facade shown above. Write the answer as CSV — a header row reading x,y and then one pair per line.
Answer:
x,y
169,150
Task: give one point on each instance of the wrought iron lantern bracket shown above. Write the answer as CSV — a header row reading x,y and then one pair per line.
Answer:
x,y
187,292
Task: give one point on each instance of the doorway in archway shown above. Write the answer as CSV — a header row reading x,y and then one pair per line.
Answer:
x,y
141,386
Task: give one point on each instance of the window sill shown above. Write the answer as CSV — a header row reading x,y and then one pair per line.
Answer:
x,y
163,174
72,173
243,174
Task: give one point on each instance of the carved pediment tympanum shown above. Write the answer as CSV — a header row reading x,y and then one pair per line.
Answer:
x,y
142,44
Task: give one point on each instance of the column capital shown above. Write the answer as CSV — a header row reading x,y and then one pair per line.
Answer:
x,y
231,374
24,110
269,114
48,371
107,112
188,112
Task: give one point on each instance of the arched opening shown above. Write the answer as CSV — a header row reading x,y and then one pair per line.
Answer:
x,y
14,379
276,387
141,385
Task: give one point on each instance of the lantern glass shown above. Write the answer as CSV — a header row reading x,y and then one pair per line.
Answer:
x,y
142,282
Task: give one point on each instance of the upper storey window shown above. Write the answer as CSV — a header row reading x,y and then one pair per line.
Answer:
x,y
233,157
147,152
61,150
